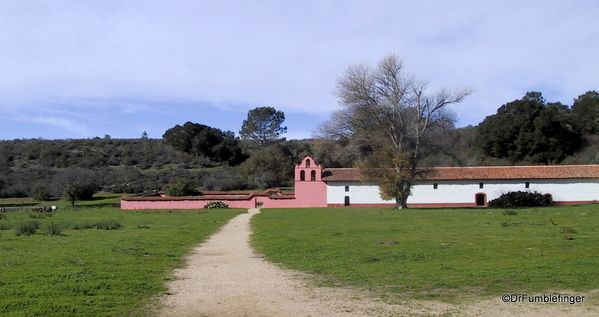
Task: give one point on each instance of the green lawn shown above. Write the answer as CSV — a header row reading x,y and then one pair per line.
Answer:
x,y
437,252
95,272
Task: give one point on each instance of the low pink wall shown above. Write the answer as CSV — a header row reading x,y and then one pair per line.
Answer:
x,y
199,204
180,204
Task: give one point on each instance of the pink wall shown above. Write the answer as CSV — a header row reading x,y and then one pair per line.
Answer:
x,y
181,204
310,191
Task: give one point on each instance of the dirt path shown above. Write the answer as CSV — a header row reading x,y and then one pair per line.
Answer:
x,y
224,277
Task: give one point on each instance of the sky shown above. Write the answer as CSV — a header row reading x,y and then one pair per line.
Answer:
x,y
83,69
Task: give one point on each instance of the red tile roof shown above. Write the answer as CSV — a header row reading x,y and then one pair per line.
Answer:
x,y
484,173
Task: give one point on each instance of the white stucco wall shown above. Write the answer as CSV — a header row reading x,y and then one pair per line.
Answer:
x,y
455,192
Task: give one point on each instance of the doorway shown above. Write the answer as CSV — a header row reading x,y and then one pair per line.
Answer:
x,y
481,200
346,203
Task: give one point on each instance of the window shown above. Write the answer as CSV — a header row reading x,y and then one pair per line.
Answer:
x,y
346,188
313,175
307,163
481,185
527,184
435,186
302,176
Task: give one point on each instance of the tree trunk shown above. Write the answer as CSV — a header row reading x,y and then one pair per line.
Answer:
x,y
401,202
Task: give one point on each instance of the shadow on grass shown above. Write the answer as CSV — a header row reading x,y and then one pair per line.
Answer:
x,y
20,205
97,205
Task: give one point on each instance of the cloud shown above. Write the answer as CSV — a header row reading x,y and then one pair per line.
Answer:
x,y
98,60
70,125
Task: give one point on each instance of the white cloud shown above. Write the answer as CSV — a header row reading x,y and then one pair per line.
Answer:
x,y
150,56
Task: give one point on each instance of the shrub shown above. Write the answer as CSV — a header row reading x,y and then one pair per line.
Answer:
x,y
27,227
86,225
107,224
52,229
40,193
519,199
37,216
77,226
216,205
179,187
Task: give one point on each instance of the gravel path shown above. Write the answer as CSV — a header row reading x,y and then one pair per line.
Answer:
x,y
224,277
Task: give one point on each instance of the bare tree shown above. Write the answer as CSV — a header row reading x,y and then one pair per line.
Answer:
x,y
389,109
76,184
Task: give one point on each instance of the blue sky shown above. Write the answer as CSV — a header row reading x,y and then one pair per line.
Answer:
x,y
80,69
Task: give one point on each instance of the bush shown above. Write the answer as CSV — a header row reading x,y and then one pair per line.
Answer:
x,y
179,187
519,199
37,216
76,226
216,205
40,193
107,224
52,229
27,227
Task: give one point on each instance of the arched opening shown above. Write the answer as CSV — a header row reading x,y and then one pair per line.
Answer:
x,y
302,176
313,175
548,199
346,202
308,163
481,200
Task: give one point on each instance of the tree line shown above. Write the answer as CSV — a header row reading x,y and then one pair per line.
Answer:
x,y
387,119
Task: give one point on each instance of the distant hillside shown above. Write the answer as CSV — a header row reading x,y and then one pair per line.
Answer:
x,y
136,165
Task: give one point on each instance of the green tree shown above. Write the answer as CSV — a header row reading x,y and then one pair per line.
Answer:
x,y
179,187
529,130
202,140
267,168
586,112
391,112
40,193
263,125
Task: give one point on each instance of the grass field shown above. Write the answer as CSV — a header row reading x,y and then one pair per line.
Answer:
x,y
86,271
437,253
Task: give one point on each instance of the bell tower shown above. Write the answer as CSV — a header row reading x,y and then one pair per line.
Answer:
x,y
310,189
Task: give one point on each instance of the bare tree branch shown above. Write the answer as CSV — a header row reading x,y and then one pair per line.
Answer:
x,y
390,108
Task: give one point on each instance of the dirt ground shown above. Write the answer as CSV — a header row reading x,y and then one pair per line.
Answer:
x,y
224,277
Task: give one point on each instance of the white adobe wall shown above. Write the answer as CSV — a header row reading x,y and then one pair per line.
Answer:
x,y
454,192
359,193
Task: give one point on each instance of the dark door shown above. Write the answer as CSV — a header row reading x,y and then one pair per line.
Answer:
x,y
481,199
346,201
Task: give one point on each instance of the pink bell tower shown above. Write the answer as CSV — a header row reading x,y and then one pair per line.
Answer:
x,y
310,189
